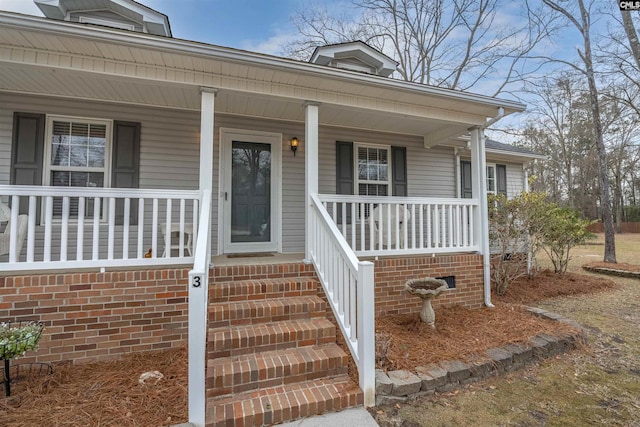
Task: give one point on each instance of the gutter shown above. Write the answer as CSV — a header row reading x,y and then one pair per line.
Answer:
x,y
174,45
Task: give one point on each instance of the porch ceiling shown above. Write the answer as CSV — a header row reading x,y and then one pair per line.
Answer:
x,y
79,85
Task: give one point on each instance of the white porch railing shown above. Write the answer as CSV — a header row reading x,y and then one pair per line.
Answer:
x,y
404,225
349,286
74,227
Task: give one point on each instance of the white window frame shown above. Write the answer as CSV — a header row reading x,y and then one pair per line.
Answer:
x,y
495,178
357,181
106,169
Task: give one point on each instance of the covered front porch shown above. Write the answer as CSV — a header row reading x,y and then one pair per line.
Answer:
x,y
167,200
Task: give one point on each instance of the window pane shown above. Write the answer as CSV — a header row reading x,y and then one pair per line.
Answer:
x,y
60,155
97,135
373,172
96,157
78,156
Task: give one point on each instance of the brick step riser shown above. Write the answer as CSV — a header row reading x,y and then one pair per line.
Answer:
x,y
231,314
265,343
261,290
282,405
280,376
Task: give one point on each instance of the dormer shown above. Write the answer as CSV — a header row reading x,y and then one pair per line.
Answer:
x,y
123,14
354,56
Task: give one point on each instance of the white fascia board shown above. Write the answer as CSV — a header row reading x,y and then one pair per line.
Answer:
x,y
180,46
516,155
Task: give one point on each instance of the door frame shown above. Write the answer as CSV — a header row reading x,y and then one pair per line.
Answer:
x,y
227,136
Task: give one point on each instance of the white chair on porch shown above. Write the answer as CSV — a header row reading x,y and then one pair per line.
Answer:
x,y
382,214
5,236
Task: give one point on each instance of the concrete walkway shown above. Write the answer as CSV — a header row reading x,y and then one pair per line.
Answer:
x,y
354,417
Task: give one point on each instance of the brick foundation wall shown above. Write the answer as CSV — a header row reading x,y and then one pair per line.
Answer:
x,y
99,316
392,273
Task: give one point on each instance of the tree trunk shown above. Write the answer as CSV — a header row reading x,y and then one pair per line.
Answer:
x,y
632,35
607,215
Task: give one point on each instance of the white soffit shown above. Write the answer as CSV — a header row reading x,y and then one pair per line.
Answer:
x,y
155,22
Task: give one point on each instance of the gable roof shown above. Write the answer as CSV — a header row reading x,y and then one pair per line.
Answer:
x,y
155,22
340,54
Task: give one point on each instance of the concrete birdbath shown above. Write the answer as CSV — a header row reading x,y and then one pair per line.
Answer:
x,y
427,289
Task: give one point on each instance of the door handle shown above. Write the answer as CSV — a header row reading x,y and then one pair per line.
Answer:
x,y
225,196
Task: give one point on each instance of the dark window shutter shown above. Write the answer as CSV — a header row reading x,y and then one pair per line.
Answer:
x,y
125,165
344,172
27,150
399,171
344,167
466,188
501,179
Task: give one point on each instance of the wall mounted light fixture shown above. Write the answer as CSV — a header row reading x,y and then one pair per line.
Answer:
x,y
294,144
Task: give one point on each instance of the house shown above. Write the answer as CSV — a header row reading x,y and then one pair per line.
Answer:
x,y
172,187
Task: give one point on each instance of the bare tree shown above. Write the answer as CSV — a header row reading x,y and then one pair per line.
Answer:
x,y
458,44
582,22
632,35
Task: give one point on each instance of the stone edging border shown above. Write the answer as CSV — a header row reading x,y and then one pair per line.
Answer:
x,y
446,376
612,272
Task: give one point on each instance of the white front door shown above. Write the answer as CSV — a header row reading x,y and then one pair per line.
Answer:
x,y
250,190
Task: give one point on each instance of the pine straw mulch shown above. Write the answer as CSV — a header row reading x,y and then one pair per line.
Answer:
x,y
462,333
102,394
547,285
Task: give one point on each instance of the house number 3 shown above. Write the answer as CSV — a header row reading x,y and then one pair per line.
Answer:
x,y
197,281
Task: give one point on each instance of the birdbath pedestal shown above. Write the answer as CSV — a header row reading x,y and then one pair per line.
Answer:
x,y
426,289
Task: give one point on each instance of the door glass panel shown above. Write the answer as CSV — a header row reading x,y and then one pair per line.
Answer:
x,y
250,192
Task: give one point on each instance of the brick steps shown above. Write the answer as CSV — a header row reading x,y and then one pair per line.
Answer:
x,y
262,289
225,341
279,404
272,353
265,310
252,371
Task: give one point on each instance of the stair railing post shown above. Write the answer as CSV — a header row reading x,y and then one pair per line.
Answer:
x,y
366,332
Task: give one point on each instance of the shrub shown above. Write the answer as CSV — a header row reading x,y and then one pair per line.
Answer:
x,y
514,229
563,230
16,340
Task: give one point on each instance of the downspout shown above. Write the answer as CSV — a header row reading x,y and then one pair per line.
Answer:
x,y
486,254
525,188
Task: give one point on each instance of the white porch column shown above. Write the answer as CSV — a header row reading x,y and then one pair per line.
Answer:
x,y
208,96
199,276
311,170
479,191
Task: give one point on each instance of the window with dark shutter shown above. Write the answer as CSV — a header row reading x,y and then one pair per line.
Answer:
x,y
379,170
496,179
74,152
